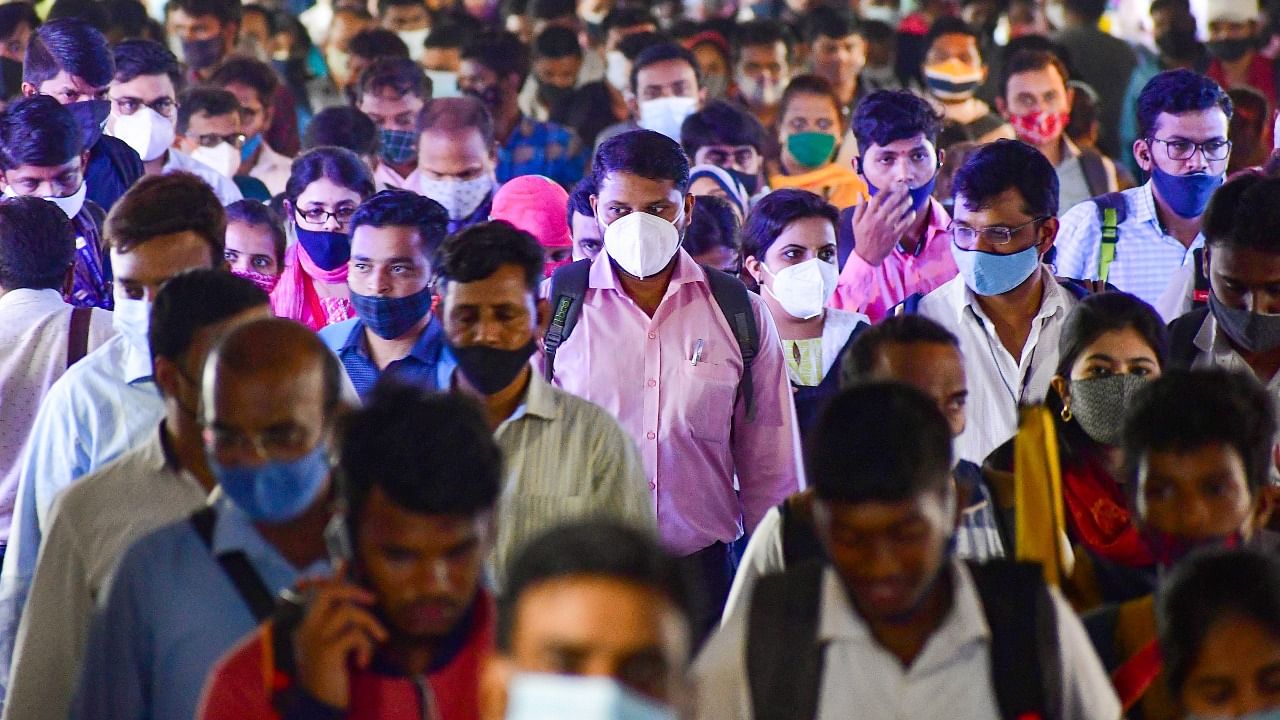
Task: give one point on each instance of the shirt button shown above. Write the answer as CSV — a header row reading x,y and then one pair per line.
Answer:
x,y
651,435
653,383
653,336
653,486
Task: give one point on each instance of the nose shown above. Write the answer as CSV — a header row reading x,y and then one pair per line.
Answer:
x,y
382,282
331,224
1194,518
1197,162
488,332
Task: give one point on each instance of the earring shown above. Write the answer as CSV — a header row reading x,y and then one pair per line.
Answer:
x,y
1066,413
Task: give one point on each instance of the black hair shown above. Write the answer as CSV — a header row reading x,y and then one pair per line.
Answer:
x,y
876,31
344,127
552,9
478,251
227,12
135,58
1175,92
810,85
1243,213
377,43
886,116
1084,111
949,25
456,114
626,16
713,224
72,45
37,244
863,356
193,300
401,76
996,167
632,45
646,153
879,442
402,208
212,101
14,14
268,16
580,199
760,32
830,22
128,19
384,4
445,36
340,165
90,11
429,453
1209,588
594,548
501,52
1182,411
663,52
251,72
556,42
1088,10
721,123
775,212
1030,61
38,131
146,212
253,212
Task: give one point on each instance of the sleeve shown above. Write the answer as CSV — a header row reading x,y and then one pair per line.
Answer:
x,y
115,679
855,289
1077,242
1087,693
235,689
51,635
619,475
720,674
572,163
1177,298
763,556
766,449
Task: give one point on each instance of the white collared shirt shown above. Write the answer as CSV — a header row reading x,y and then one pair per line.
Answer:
x,y
950,678
998,382
222,186
92,524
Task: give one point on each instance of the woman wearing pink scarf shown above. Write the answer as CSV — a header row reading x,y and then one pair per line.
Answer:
x,y
325,187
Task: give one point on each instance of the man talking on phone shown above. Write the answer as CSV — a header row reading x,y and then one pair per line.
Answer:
x,y
401,629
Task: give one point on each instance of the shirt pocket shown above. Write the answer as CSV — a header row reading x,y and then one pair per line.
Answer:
x,y
712,398
531,513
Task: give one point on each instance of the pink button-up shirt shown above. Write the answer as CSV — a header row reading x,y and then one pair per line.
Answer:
x,y
688,418
874,290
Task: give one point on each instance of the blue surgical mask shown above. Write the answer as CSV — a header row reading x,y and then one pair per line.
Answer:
x,y
536,696
275,491
919,196
250,147
990,274
1186,195
391,317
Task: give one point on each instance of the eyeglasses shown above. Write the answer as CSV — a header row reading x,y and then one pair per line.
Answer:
x,y
129,105
319,216
235,140
967,237
1184,149
276,443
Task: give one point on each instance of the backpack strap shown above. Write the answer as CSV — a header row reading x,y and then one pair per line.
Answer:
x,y
910,305
845,241
799,538
1182,338
568,288
784,657
1112,210
1095,172
78,335
248,583
1200,288
1026,671
735,302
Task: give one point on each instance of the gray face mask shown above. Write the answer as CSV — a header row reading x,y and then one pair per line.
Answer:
x,y
1099,405
1250,331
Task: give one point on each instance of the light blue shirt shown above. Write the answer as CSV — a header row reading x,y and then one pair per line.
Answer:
x,y
1146,259
103,406
169,614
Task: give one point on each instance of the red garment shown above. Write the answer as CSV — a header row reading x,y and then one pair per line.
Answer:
x,y
1098,515
1261,76
237,689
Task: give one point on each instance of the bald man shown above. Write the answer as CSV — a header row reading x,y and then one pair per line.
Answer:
x,y
185,594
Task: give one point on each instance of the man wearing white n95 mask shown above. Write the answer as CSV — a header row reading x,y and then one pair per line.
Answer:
x,y
655,346
666,88
144,112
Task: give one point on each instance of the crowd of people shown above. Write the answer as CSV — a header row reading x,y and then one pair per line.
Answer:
x,y
607,360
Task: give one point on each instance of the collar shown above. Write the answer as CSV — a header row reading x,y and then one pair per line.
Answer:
x,y
1052,301
964,623
136,365
1142,208
939,219
539,399
168,458
470,628
1206,340
426,349
234,529
1069,149
603,276
19,297
523,129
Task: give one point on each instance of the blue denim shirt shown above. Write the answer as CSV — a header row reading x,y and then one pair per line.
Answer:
x,y
418,368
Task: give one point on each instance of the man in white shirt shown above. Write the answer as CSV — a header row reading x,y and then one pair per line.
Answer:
x,y
37,252
1005,305
893,625
108,403
144,111
163,479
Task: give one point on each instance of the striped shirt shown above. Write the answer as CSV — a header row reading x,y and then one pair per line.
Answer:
x,y
1146,257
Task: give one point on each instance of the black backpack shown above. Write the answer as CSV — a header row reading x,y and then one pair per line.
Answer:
x,y
785,663
569,288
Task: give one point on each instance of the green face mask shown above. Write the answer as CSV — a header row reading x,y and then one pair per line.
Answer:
x,y
811,149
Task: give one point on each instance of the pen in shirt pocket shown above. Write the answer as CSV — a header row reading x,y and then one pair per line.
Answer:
x,y
697,353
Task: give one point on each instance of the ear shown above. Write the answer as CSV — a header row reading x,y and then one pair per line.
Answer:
x,y
287,205
84,161
1264,507
1142,154
633,105
1063,388
28,89
166,374
69,279
1071,97
754,268
1048,233
543,315
1204,260
702,97
1002,107
942,157
495,675
689,200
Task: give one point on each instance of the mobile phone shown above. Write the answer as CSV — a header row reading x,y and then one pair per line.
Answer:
x,y
337,541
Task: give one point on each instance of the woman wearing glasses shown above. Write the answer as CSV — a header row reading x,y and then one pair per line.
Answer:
x,y
325,187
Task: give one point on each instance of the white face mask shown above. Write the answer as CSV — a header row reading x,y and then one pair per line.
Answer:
x,y
538,696
642,244
617,70
70,205
762,91
881,13
146,131
416,40
460,198
221,157
1056,14
443,83
666,114
132,319
803,289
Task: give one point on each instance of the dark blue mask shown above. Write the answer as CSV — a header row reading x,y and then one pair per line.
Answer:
x,y
919,196
389,317
327,249
1186,195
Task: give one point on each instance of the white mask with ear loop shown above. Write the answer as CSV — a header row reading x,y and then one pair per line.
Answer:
x,y
642,244
803,289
